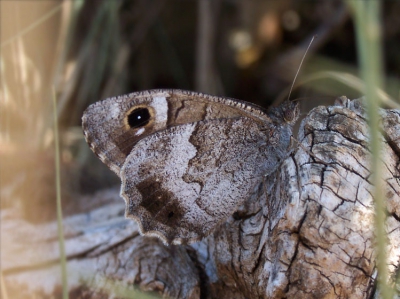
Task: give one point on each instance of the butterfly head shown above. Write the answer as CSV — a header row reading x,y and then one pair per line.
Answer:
x,y
288,111
291,111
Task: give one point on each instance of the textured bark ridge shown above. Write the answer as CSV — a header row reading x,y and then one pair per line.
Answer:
x,y
306,232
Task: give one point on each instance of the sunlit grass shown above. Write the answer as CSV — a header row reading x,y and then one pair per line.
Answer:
x,y
32,26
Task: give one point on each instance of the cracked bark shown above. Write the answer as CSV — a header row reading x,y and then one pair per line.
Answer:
x,y
306,231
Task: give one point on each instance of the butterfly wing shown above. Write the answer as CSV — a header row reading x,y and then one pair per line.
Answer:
x,y
113,126
186,160
181,182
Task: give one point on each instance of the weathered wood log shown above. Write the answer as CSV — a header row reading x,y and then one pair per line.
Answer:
x,y
307,231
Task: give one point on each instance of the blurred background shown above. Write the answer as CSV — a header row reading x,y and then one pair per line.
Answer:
x,y
90,50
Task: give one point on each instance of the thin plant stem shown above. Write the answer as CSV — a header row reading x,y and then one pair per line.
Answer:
x,y
368,31
3,293
63,260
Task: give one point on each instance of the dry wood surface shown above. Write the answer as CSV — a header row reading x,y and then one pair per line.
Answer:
x,y
307,231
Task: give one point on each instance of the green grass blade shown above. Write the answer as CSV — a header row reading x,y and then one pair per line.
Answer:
x,y
367,22
63,260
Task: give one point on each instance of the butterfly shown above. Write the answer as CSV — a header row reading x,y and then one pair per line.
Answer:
x,y
187,160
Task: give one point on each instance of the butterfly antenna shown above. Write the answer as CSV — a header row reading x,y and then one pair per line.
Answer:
x,y
301,63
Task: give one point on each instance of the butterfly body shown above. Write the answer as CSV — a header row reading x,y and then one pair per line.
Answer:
x,y
186,160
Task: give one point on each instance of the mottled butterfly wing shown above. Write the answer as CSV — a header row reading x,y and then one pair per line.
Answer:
x,y
186,160
181,182
113,126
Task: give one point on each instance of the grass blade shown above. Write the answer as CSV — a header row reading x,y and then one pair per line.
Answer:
x,y
63,260
368,31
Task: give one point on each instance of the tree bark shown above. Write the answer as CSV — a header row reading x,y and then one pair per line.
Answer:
x,y
307,231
